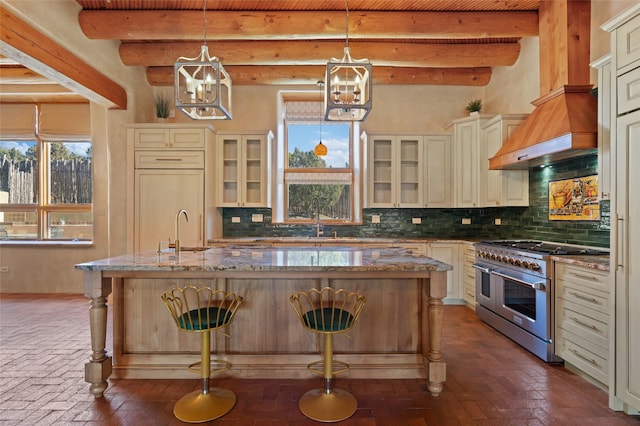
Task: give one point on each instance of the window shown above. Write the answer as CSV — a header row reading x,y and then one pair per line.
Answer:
x,y
46,177
310,187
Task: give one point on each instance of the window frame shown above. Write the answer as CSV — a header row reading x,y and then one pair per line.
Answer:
x,y
43,206
282,171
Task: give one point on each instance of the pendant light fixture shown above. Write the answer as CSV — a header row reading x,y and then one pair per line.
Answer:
x,y
321,149
202,85
347,95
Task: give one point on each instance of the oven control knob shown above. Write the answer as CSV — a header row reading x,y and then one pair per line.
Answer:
x,y
493,256
519,263
535,267
526,264
498,258
512,261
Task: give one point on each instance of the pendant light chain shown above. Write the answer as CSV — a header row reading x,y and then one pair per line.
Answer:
x,y
204,22
346,23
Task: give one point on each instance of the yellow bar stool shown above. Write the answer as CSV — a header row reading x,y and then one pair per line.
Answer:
x,y
203,310
328,312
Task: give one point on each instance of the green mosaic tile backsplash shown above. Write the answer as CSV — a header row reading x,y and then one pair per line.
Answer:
x,y
517,222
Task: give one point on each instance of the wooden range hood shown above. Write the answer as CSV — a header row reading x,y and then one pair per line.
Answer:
x,y
564,122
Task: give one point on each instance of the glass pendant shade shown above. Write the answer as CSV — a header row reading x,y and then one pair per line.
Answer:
x,y
320,150
348,89
202,87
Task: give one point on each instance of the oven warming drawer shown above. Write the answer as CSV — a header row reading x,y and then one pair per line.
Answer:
x,y
541,348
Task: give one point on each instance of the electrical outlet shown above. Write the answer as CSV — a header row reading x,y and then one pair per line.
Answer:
x,y
416,220
498,221
235,219
375,218
4,269
172,113
466,221
257,218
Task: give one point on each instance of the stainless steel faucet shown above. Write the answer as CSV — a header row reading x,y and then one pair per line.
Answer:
x,y
177,229
319,231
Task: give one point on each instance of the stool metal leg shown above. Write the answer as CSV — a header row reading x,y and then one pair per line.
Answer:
x,y
208,403
328,404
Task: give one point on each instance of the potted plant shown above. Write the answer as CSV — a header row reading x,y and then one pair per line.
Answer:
x,y
161,105
474,106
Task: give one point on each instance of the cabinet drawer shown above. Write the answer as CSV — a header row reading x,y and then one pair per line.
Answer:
x,y
470,293
169,138
628,92
583,322
628,42
583,296
590,359
169,160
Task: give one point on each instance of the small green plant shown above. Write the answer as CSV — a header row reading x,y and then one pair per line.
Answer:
x,y
475,105
161,104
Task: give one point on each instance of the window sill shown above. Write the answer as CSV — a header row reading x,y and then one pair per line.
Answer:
x,y
24,243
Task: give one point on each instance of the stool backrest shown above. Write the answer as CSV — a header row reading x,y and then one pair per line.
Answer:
x,y
201,308
328,310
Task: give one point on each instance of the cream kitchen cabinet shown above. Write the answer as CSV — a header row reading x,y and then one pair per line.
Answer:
x,y
448,252
395,171
468,255
583,304
243,169
466,141
603,65
625,206
167,165
499,188
438,188
408,171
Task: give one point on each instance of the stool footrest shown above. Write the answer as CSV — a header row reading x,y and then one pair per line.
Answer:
x,y
217,365
336,366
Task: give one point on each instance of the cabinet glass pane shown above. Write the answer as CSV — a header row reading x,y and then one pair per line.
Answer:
x,y
253,192
382,171
382,192
382,150
253,149
230,149
253,170
409,193
230,192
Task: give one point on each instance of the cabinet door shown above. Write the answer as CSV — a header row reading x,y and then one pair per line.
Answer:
x,y
409,174
380,182
230,170
500,187
448,253
438,188
466,151
626,258
254,171
159,196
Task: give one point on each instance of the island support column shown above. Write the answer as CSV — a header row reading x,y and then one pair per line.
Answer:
x,y
433,291
98,369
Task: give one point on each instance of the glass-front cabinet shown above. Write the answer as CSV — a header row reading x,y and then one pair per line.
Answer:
x,y
395,167
243,169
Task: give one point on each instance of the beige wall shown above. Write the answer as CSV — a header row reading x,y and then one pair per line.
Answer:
x,y
395,109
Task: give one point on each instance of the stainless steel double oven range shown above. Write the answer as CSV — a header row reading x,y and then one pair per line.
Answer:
x,y
514,290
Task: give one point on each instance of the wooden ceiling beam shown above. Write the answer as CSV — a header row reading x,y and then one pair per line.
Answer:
x,y
21,75
318,53
22,43
311,74
279,25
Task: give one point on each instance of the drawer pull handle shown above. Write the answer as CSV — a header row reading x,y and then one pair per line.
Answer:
x,y
168,159
579,355
579,296
584,277
584,324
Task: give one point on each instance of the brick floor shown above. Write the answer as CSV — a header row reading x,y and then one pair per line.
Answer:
x,y
44,341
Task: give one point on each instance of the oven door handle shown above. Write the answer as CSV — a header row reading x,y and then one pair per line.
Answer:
x,y
482,268
536,286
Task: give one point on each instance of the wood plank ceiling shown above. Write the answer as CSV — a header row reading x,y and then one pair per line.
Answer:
x,y
450,42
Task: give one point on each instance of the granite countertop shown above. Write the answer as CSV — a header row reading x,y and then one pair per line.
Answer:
x,y
329,240
600,262
239,258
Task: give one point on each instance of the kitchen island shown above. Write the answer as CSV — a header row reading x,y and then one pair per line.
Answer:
x,y
398,334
